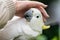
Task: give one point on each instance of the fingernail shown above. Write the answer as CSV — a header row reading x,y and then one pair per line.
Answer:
x,y
45,20
48,16
46,5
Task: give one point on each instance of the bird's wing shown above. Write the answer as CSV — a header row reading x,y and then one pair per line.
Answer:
x,y
11,30
28,31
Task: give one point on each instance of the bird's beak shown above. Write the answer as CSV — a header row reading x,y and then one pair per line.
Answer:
x,y
45,27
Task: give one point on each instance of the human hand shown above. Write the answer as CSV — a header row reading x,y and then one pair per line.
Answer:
x,y
23,6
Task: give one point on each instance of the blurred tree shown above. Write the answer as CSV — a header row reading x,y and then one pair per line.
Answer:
x,y
41,37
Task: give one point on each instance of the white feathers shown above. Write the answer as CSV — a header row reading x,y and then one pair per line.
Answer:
x,y
21,27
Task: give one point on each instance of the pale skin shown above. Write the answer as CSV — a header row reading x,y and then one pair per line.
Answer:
x,y
23,6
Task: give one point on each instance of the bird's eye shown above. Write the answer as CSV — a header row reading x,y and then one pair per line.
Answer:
x,y
37,16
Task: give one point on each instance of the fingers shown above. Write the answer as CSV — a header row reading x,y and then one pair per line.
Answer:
x,y
40,4
43,11
25,5
44,19
33,3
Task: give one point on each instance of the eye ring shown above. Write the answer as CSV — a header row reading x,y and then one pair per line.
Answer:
x,y
37,16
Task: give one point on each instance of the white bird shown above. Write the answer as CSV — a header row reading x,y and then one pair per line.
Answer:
x,y
24,28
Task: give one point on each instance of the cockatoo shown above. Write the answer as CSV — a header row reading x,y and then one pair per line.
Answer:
x,y
24,28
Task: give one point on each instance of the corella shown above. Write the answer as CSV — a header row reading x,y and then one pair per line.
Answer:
x,y
24,28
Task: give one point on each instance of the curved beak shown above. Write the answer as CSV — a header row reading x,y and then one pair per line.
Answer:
x,y
45,27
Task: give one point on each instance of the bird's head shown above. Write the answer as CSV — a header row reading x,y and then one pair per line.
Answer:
x,y
35,20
